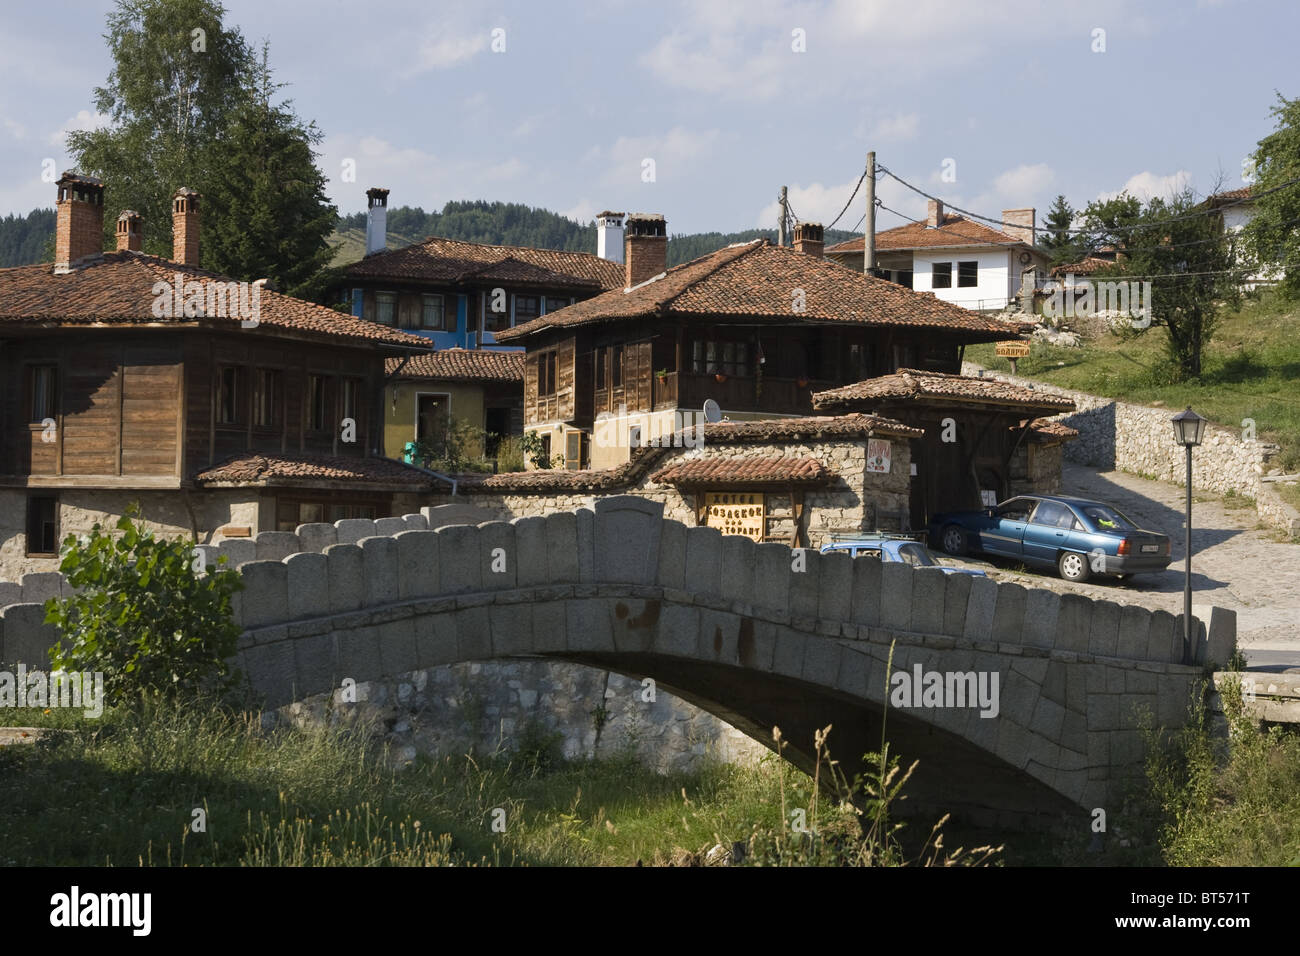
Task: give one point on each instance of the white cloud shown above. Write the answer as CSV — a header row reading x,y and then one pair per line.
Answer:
x,y
84,120
818,203
583,211
1147,185
15,128
674,153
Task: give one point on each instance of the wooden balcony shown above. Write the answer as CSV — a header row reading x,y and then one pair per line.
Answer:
x,y
780,395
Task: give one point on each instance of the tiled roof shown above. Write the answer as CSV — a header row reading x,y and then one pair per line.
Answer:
x,y
756,281
909,384
756,470
1046,431
451,261
955,231
1231,195
254,469
807,428
118,290
465,365
1084,267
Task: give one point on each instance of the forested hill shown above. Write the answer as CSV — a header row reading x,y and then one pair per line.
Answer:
x,y
30,238
27,239
514,224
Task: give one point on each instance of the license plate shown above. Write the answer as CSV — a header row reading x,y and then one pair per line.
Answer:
x,y
1150,548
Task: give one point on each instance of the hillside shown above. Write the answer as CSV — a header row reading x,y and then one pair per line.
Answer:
x,y
27,239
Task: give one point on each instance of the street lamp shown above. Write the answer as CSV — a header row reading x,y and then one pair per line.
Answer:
x,y
1189,428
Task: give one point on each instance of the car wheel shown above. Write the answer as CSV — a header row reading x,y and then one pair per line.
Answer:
x,y
1073,566
953,540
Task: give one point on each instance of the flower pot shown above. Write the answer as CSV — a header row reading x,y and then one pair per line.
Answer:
x,y
719,377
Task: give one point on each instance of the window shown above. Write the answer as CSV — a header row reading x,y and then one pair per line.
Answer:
x,y
1017,509
546,450
385,307
968,275
600,357
904,278
289,513
554,304
432,315
546,373
526,307
616,366
432,418
1053,514
698,364
351,388
941,276
42,525
228,395
317,406
494,321
266,397
44,378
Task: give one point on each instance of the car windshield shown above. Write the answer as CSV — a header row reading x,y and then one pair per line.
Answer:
x,y
916,556
1106,518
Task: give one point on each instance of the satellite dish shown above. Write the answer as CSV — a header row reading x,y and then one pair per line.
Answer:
x,y
712,413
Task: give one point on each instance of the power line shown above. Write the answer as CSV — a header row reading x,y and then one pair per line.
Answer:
x,y
851,198
1215,210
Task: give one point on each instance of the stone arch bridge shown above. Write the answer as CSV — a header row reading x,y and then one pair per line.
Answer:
x,y
754,633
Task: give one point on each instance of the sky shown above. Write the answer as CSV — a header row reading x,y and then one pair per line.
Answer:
x,y
702,110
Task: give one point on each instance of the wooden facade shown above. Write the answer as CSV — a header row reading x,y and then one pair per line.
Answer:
x,y
577,375
153,408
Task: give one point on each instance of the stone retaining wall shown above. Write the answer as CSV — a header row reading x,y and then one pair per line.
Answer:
x,y
1139,439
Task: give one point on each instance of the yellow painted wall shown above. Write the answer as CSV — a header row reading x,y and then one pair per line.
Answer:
x,y
399,419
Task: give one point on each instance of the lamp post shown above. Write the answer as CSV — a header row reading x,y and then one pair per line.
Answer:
x,y
1189,428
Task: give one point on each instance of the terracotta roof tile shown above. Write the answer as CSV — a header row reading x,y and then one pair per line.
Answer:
x,y
1046,431
909,384
755,470
807,428
756,281
955,231
467,365
450,260
254,469
1084,267
119,290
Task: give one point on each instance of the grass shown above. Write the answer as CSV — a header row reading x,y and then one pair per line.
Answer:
x,y
1251,370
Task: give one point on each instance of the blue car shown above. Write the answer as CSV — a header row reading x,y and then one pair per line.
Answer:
x,y
1077,537
888,549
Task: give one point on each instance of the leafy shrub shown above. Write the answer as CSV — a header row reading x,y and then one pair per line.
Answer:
x,y
142,615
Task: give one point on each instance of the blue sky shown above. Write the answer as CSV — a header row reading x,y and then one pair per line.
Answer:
x,y
713,92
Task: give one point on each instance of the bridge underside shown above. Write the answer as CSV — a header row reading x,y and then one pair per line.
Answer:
x,y
953,775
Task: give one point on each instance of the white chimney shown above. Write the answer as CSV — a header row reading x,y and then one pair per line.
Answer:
x,y
376,220
609,236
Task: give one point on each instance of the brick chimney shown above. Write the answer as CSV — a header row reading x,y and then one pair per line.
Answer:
x,y
185,227
809,238
646,247
609,235
376,220
128,231
934,213
1020,224
79,224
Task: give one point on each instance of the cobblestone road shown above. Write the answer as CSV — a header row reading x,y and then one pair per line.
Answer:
x,y
1234,564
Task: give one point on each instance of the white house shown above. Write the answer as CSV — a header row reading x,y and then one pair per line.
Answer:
x,y
961,261
1236,208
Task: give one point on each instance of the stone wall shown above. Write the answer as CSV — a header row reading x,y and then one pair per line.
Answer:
x,y
163,512
1139,439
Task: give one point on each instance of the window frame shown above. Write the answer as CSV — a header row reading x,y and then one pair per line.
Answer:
x,y
515,318
268,380
938,270
380,297
28,523
236,393
973,275
51,405
425,299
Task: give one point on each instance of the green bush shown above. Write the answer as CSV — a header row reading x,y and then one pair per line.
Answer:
x,y
143,615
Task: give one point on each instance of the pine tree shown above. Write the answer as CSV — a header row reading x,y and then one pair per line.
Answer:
x,y
1057,238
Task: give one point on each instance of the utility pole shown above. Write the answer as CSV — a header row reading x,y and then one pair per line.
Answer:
x,y
785,214
869,236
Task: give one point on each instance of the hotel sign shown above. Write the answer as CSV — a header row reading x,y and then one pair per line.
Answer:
x,y
736,513
1013,349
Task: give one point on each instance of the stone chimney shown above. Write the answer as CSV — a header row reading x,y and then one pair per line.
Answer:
x,y
128,231
376,220
809,238
79,224
934,213
646,247
609,235
185,227
1020,223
